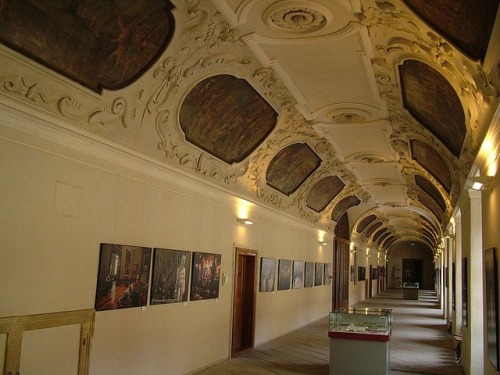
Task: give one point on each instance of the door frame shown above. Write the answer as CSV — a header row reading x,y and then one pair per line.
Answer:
x,y
245,251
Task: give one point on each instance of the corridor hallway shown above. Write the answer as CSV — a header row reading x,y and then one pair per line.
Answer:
x,y
419,344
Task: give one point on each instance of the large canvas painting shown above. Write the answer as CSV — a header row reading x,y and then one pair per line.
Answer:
x,y
267,274
318,274
170,280
123,277
309,275
491,286
298,274
206,276
284,274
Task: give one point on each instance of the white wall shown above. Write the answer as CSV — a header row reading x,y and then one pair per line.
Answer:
x,y
59,203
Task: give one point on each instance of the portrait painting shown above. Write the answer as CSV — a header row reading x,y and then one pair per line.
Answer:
x,y
327,277
267,274
298,274
284,274
170,279
123,277
318,274
309,275
206,276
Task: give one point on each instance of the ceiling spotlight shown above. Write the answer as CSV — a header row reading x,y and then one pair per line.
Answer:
x,y
245,221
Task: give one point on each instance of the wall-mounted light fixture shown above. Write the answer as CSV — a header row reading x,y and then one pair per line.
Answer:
x,y
244,221
479,183
323,242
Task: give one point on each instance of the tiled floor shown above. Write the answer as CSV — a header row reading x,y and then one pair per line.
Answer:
x,y
419,344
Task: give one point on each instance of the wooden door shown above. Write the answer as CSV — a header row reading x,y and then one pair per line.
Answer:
x,y
340,288
244,300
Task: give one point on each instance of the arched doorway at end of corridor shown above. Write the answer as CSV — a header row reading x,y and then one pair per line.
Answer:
x,y
413,271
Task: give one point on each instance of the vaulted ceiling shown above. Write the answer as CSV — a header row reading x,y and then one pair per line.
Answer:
x,y
317,109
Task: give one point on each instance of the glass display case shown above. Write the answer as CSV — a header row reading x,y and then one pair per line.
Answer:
x,y
410,284
410,290
363,320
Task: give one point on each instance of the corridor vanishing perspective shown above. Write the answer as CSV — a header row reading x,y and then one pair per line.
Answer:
x,y
420,344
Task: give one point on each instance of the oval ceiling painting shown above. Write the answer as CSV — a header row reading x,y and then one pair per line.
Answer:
x,y
226,117
291,167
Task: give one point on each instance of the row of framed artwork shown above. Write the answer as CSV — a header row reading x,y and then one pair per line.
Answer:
x,y
124,274
292,274
130,276
362,273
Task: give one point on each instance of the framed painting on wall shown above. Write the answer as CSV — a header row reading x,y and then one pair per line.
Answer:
x,y
170,279
318,274
309,275
284,274
205,276
298,274
465,294
491,289
361,273
123,277
267,274
327,277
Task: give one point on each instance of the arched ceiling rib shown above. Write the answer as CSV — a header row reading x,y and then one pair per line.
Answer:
x,y
371,109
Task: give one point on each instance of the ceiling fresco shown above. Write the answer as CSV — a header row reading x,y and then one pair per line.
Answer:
x,y
291,166
433,101
226,117
321,109
323,192
99,44
467,24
